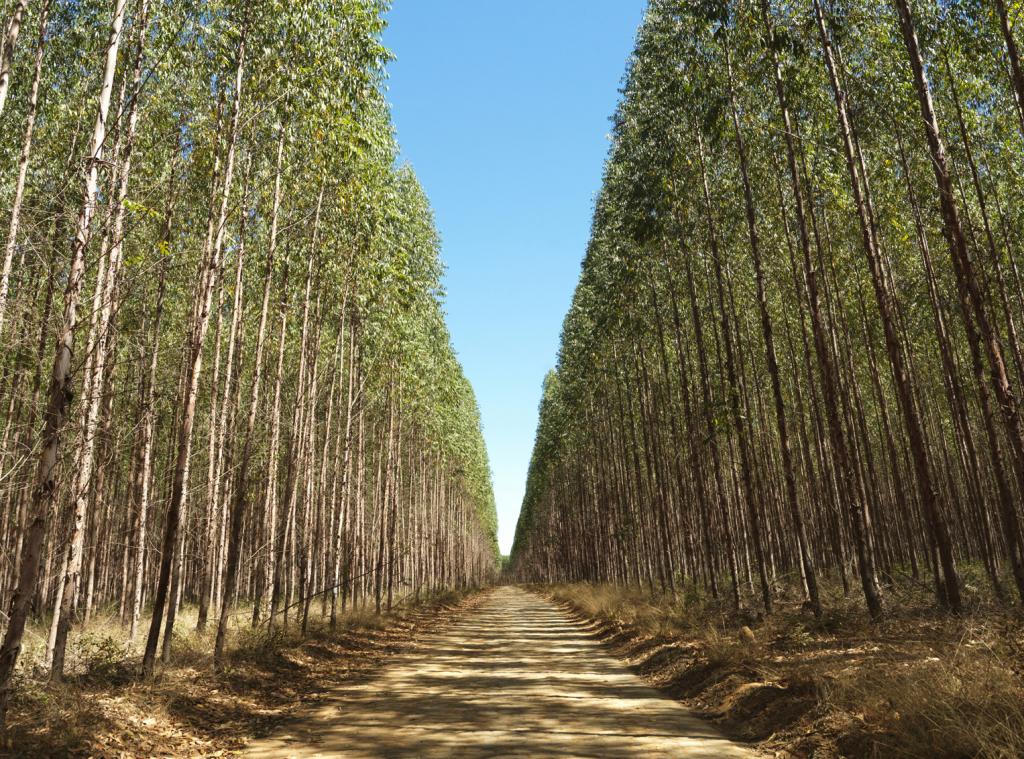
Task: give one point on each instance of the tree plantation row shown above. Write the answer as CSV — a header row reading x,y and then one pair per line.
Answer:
x,y
794,354
226,379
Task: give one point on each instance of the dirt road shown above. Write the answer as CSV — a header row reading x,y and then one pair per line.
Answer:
x,y
514,677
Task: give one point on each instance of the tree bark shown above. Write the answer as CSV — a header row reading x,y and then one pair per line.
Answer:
x,y
26,152
60,387
970,292
828,376
197,336
7,50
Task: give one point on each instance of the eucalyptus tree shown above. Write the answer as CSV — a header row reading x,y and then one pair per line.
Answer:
x,y
7,46
761,374
265,382
23,160
61,379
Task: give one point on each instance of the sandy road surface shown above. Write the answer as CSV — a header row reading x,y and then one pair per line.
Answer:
x,y
514,677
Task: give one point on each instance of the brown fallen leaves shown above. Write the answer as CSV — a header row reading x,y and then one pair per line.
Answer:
x,y
193,710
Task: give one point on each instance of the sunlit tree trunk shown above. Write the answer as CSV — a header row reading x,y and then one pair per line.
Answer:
x,y
60,387
211,264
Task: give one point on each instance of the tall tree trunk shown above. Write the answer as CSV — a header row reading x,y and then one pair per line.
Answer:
x,y
7,50
827,369
144,444
60,388
26,152
225,425
746,457
968,286
197,336
1016,72
95,394
926,489
238,507
273,463
809,572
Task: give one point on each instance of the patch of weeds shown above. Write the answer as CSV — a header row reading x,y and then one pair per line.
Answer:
x,y
101,659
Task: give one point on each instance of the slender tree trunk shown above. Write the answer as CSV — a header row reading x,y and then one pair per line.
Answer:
x,y
241,485
7,50
144,446
197,336
224,427
746,457
26,152
712,433
967,282
927,491
828,376
1016,72
60,389
95,396
809,572
273,463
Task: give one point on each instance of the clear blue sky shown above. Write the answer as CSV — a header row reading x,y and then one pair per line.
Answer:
x,y
503,108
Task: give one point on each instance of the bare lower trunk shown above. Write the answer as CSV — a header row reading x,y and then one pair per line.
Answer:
x,y
828,376
902,378
197,336
106,290
60,388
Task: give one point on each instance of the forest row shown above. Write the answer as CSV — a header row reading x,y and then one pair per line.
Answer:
x,y
226,381
793,358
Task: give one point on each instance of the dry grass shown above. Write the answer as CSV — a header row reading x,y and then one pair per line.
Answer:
x,y
966,700
190,708
920,685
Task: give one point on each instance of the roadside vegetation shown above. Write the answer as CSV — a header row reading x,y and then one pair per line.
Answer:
x,y
194,708
921,685
780,461
785,428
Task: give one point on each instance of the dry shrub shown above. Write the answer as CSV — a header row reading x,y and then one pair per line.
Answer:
x,y
921,685
968,704
100,658
259,643
691,612
650,613
364,619
729,648
607,601
101,709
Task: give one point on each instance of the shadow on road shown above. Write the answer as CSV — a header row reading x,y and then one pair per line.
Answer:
x,y
514,678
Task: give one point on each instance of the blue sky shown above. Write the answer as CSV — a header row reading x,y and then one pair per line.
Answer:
x,y
502,109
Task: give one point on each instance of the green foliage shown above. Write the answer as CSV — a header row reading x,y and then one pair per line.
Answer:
x,y
347,252
636,470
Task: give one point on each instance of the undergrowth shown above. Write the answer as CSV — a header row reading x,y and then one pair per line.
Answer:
x,y
103,709
920,685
